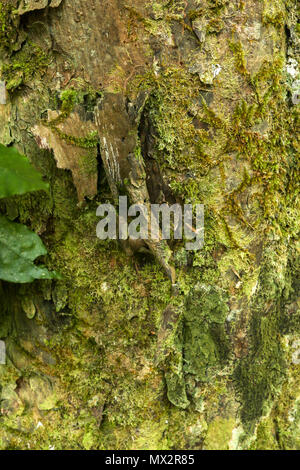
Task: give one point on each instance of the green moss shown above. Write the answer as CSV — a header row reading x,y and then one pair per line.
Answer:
x,y
219,434
7,27
274,13
171,94
198,345
69,99
90,141
280,429
25,65
88,164
174,97
24,207
272,158
217,4
152,435
286,415
239,56
174,373
205,346
215,25
157,26
261,374
265,437
213,8
110,364
194,14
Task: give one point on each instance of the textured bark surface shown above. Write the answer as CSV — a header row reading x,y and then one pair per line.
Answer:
x,y
165,101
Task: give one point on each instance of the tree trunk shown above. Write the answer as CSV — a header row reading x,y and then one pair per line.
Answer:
x,y
189,102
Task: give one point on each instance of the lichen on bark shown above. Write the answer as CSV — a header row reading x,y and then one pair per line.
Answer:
x,y
188,102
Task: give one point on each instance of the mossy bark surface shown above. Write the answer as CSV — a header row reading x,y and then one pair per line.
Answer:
x,y
164,101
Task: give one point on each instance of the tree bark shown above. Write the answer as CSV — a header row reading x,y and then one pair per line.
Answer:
x,y
154,347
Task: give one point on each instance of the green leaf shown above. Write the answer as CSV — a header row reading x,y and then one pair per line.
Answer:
x,y
17,176
19,247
